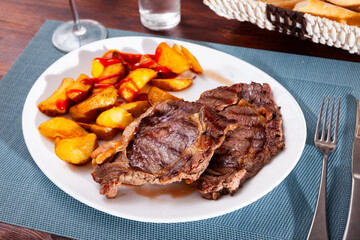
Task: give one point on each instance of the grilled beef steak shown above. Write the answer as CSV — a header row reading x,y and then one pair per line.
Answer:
x,y
172,141
248,148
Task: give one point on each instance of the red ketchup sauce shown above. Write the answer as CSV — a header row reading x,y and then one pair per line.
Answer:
x,y
135,61
147,61
108,61
131,58
92,81
75,91
164,72
125,88
130,90
103,85
158,52
61,104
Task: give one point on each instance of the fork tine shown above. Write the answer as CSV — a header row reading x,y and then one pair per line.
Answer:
x,y
319,120
325,120
330,121
337,121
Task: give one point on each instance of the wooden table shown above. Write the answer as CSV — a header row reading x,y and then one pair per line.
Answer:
x,y
21,19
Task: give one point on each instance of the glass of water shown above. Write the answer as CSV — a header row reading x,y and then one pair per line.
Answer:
x,y
159,14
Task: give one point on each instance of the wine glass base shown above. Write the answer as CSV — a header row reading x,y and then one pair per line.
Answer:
x,y
66,38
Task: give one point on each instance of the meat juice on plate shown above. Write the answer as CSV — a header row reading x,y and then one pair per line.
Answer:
x,y
175,190
159,14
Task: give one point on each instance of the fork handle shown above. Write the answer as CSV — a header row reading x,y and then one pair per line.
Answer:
x,y
352,230
319,228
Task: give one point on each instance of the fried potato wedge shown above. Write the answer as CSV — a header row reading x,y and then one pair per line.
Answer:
x,y
170,58
172,84
89,109
110,75
128,90
136,108
58,103
97,68
116,117
147,62
76,150
103,67
79,90
156,95
195,65
134,81
102,133
176,48
60,127
141,76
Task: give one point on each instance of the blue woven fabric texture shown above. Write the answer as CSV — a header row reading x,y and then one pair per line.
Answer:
x,y
28,198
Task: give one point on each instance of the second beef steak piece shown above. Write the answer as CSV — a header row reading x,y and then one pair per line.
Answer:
x,y
248,148
172,141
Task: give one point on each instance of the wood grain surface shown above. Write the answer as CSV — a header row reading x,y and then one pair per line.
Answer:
x,y
21,19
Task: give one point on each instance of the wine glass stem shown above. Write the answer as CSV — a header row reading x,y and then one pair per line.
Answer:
x,y
77,27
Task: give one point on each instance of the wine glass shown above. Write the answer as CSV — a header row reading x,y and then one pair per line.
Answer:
x,y
74,34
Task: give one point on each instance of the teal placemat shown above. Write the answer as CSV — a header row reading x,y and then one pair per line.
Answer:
x,y
28,198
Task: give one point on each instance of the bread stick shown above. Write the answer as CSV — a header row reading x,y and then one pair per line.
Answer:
x,y
330,11
355,8
345,3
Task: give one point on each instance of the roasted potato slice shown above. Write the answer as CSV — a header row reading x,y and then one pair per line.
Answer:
x,y
141,76
147,62
176,48
97,68
156,95
117,70
128,90
76,150
102,67
58,103
111,54
116,117
60,127
132,84
172,84
79,90
107,72
195,66
170,58
136,108
102,133
89,109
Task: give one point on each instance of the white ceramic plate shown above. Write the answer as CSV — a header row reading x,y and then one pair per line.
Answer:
x,y
220,68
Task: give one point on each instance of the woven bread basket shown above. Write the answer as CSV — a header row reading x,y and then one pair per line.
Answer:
x,y
318,29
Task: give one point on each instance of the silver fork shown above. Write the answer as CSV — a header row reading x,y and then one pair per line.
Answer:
x,y
319,228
